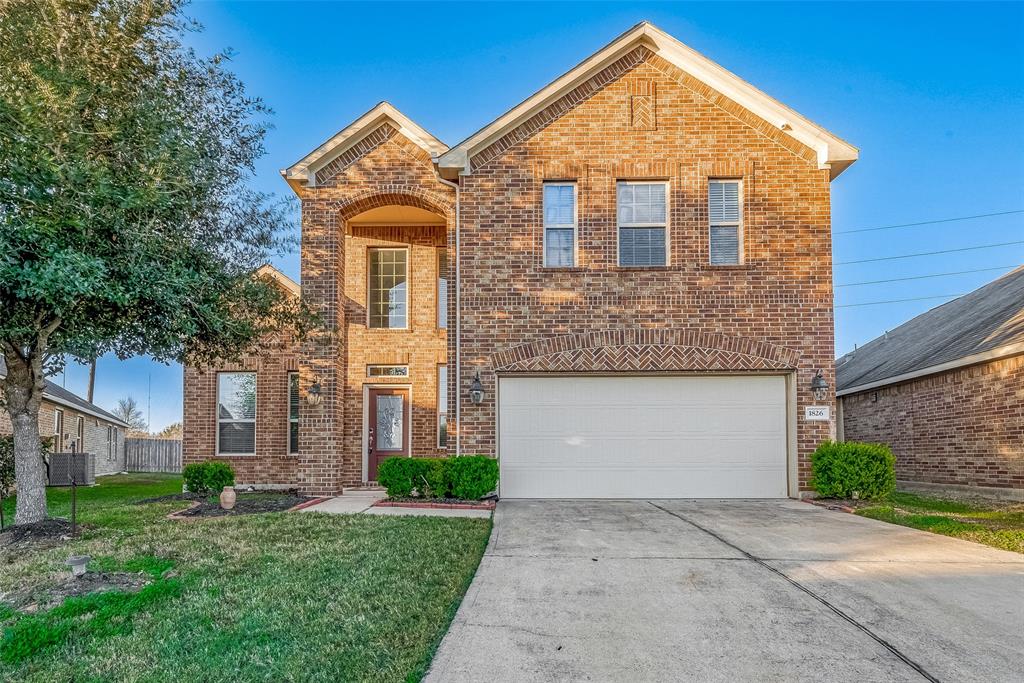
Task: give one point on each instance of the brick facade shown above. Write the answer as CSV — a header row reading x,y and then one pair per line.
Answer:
x,y
639,118
963,427
108,460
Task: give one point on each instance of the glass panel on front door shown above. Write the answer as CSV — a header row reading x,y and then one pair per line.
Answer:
x,y
390,413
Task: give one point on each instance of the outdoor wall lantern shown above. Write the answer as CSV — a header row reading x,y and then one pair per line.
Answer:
x,y
314,396
819,386
476,390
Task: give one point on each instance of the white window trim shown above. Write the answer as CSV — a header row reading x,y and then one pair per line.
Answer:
x,y
256,413
408,286
575,222
740,228
295,374
666,225
387,365
441,401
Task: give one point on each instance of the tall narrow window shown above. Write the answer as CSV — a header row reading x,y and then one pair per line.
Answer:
x,y
110,442
442,288
643,223
559,225
236,413
724,212
79,434
388,288
293,413
442,406
58,430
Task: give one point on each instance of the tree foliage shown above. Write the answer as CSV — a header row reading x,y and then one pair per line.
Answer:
x,y
127,224
128,410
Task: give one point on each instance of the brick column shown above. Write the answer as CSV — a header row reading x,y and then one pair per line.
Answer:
x,y
323,276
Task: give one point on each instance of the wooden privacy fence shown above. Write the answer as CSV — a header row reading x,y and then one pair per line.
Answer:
x,y
152,455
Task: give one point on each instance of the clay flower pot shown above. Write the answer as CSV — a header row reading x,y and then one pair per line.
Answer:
x,y
227,497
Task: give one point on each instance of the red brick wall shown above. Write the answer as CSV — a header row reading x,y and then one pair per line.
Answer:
x,y
963,427
778,303
272,464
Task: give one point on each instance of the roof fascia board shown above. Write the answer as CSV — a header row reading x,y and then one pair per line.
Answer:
x,y
289,284
74,406
833,153
305,169
984,356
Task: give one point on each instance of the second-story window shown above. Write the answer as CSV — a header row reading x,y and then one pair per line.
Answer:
x,y
643,223
442,288
388,300
726,223
560,225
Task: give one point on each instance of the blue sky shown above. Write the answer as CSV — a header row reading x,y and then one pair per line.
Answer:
x,y
932,94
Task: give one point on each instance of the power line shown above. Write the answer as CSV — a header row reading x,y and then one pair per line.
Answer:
x,y
923,277
899,301
941,220
928,253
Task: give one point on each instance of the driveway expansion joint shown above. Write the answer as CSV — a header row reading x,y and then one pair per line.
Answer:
x,y
822,600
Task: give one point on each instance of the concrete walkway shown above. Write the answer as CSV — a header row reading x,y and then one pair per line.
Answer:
x,y
731,591
362,503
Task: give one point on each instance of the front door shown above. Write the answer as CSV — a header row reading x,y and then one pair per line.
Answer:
x,y
387,428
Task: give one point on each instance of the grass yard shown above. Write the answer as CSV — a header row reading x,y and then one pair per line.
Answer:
x,y
998,524
271,597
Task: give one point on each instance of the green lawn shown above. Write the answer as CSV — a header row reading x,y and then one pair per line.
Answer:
x,y
272,597
997,524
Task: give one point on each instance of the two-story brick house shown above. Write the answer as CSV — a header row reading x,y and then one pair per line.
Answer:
x,y
620,288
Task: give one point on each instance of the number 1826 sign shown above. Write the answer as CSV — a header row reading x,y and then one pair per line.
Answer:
x,y
817,413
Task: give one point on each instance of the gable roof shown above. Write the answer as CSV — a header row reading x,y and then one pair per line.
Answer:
x,y
304,170
986,324
286,283
832,152
58,394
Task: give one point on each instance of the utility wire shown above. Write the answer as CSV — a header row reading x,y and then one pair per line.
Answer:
x,y
942,220
899,301
928,253
923,277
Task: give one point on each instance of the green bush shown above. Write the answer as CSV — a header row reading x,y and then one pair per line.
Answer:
x,y
206,477
468,477
473,476
851,469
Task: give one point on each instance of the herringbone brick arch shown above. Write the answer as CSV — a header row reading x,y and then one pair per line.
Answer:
x,y
644,351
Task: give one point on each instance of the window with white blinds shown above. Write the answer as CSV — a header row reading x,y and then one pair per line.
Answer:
x,y
236,413
726,223
643,223
559,225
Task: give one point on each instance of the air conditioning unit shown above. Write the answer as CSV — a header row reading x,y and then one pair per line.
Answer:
x,y
59,470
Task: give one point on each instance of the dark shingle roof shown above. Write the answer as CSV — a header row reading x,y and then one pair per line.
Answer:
x,y
59,394
984,320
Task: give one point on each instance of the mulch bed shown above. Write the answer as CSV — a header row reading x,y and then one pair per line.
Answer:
x,y
90,582
48,533
436,503
245,504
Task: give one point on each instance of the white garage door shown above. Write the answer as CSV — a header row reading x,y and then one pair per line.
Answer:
x,y
642,437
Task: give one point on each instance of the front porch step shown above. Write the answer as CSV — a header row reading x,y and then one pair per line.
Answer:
x,y
366,490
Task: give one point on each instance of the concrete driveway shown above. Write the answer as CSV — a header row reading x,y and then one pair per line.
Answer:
x,y
731,591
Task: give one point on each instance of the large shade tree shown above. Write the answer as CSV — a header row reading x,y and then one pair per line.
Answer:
x,y
127,225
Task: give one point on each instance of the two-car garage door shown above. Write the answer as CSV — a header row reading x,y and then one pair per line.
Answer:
x,y
642,437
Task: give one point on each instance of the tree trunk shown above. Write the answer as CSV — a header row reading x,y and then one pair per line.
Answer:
x,y
23,391
92,379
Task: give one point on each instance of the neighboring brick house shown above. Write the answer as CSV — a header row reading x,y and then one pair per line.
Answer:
x,y
80,424
632,268
946,391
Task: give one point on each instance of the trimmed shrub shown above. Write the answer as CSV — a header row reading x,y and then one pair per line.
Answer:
x,y
473,476
206,477
852,469
468,477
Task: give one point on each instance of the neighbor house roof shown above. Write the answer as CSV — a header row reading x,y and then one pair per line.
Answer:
x,y
984,325
832,152
286,283
61,396
304,170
